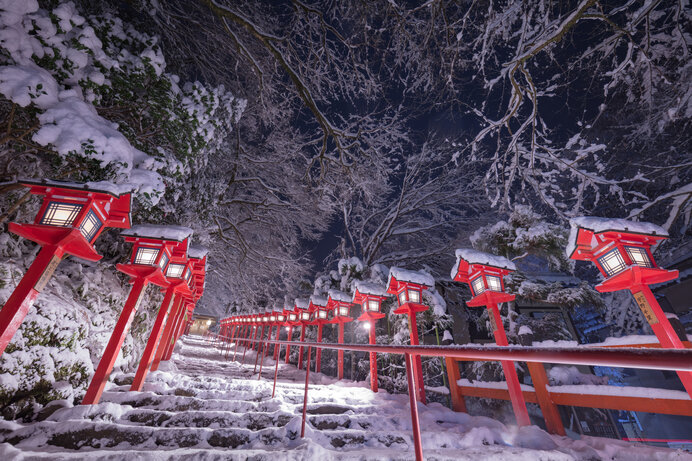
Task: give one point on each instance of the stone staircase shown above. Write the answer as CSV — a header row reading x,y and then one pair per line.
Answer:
x,y
204,407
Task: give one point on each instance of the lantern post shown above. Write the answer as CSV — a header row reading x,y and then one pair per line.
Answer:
x,y
485,275
319,316
370,297
178,288
271,323
70,219
339,303
292,320
623,252
151,251
302,309
408,287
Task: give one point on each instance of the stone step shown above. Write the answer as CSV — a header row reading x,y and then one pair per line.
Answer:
x,y
254,421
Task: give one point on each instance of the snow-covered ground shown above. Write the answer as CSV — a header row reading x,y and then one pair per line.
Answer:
x,y
202,406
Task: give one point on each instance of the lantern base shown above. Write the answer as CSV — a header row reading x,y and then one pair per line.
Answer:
x,y
340,319
70,240
488,298
152,274
411,308
636,275
369,316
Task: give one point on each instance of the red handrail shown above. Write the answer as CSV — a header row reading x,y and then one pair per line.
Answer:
x,y
655,359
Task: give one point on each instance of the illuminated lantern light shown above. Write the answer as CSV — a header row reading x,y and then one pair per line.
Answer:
x,y
485,275
408,287
318,311
370,297
622,251
339,303
70,219
151,245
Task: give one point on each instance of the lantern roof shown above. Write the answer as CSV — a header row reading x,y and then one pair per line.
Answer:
x,y
582,242
402,277
302,303
197,251
339,296
318,301
177,233
369,288
472,257
104,187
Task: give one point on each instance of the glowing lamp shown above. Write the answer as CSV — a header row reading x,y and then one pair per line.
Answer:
x,y
339,303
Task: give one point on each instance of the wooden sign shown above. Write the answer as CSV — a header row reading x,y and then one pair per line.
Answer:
x,y
47,273
646,308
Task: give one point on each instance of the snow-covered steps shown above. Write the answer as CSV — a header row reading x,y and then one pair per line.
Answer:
x,y
201,406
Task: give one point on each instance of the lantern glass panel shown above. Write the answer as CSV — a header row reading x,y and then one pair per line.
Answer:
x,y
372,305
305,316
402,297
612,262
343,310
272,318
175,270
414,296
639,256
281,318
478,285
494,283
322,314
188,274
60,214
146,256
90,226
163,261
292,317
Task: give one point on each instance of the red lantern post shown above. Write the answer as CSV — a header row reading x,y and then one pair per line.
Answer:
x,y
319,316
292,320
178,275
622,251
70,219
152,249
370,297
485,275
302,309
280,322
408,287
339,303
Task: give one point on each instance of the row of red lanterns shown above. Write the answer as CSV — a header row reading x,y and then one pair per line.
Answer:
x,y
70,219
621,250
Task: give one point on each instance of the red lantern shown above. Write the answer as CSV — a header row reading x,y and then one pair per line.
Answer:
x,y
70,219
302,310
485,275
151,252
370,297
622,251
320,314
408,287
339,303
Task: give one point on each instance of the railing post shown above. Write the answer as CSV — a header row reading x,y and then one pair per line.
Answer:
x,y
417,365
551,415
458,403
373,361
415,424
318,354
305,397
276,368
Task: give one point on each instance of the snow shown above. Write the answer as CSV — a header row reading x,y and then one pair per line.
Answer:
x,y
598,225
340,296
569,375
302,303
620,391
447,336
404,275
197,251
368,288
478,257
619,341
318,300
525,330
177,233
491,384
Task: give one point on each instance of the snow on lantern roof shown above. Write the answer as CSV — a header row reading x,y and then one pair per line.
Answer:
x,y
404,275
340,296
478,257
197,251
320,301
369,288
177,233
106,187
599,225
302,303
